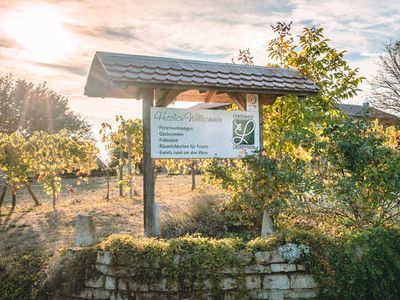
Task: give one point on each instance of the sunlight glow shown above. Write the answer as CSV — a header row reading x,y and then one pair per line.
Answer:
x,y
40,32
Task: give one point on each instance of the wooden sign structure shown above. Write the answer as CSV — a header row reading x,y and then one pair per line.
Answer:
x,y
159,81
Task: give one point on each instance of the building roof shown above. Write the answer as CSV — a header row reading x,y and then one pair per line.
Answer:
x,y
121,76
355,111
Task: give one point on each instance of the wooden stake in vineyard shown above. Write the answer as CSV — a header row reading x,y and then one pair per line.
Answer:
x,y
128,138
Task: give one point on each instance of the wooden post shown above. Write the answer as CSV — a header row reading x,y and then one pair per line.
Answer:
x,y
261,123
148,166
128,137
121,176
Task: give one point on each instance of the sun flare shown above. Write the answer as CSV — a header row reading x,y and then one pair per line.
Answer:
x,y
40,32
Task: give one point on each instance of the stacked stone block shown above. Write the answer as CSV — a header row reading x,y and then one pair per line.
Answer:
x,y
266,276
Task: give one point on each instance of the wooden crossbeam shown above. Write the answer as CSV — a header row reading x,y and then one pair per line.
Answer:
x,y
197,96
164,98
239,99
209,96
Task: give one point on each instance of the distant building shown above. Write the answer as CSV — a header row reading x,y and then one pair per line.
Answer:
x,y
352,110
359,111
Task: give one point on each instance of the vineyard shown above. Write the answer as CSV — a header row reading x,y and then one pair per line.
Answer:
x,y
54,230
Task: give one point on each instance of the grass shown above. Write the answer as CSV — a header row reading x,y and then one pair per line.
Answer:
x,y
54,229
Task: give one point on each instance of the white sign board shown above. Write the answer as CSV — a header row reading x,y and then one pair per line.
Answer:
x,y
183,133
252,102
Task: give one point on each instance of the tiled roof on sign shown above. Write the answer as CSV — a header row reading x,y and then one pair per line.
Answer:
x,y
135,70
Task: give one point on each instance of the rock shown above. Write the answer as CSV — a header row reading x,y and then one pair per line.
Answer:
x,y
301,268
302,281
259,294
122,285
302,294
104,257
277,295
277,268
269,257
100,294
253,282
139,287
84,230
228,284
111,283
278,282
256,269
267,225
160,286
86,293
97,282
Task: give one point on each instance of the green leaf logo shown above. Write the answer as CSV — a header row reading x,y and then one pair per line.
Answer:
x,y
243,132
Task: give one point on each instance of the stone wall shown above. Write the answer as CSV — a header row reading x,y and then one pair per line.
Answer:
x,y
266,276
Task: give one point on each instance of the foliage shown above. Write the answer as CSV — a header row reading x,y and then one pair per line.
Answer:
x,y
370,267
188,260
257,182
385,86
69,273
349,178
16,162
28,107
361,265
116,140
21,275
358,177
291,122
55,154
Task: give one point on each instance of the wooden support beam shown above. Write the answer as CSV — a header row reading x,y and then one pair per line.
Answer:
x,y
238,99
264,99
148,166
209,95
197,96
166,97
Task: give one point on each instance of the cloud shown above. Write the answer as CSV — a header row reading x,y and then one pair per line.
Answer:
x,y
75,69
122,33
199,29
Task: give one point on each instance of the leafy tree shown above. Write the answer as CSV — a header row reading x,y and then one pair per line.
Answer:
x,y
292,127
28,107
291,121
16,164
385,86
55,154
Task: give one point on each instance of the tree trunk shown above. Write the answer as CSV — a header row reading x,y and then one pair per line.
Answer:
x,y
28,186
108,184
121,170
3,195
14,197
53,189
193,169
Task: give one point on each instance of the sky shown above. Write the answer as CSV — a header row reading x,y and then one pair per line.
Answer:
x,y
54,41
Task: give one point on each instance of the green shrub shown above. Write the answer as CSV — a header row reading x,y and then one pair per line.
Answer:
x,y
21,275
370,266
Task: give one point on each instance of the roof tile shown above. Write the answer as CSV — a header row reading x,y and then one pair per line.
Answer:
x,y
156,70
